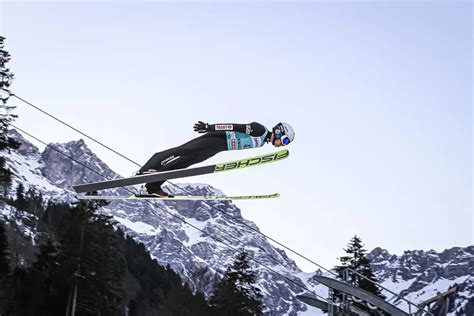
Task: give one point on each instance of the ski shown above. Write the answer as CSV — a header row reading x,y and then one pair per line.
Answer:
x,y
182,173
180,197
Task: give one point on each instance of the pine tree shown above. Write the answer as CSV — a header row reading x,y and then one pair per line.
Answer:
x,y
82,251
5,285
83,273
6,143
91,256
356,259
181,301
4,268
4,263
34,202
20,201
44,270
5,178
236,293
36,290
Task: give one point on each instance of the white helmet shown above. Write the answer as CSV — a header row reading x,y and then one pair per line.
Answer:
x,y
285,132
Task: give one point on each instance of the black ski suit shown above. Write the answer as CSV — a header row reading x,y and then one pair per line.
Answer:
x,y
197,150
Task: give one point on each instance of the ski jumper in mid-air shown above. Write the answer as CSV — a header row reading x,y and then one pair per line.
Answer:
x,y
218,137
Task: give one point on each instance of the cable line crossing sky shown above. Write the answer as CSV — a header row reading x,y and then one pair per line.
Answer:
x,y
379,95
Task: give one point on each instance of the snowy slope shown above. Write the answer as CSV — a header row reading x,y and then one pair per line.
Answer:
x,y
166,227
420,275
168,231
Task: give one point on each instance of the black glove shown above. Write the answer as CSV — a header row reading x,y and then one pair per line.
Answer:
x,y
201,127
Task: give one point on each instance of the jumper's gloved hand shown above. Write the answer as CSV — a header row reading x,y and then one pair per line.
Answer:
x,y
201,127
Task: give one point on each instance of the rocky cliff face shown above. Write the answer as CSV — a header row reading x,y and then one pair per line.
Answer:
x,y
420,275
168,229
200,239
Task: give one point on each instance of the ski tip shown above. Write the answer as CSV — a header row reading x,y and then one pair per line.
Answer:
x,y
252,161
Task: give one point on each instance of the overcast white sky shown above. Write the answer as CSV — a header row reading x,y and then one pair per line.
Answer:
x,y
380,96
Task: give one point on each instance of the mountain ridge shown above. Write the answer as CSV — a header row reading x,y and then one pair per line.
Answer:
x,y
199,259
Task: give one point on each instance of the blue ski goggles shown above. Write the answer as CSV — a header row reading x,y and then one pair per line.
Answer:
x,y
285,140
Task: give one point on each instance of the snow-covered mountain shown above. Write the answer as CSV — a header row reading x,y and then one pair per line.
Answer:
x,y
419,275
168,231
160,227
